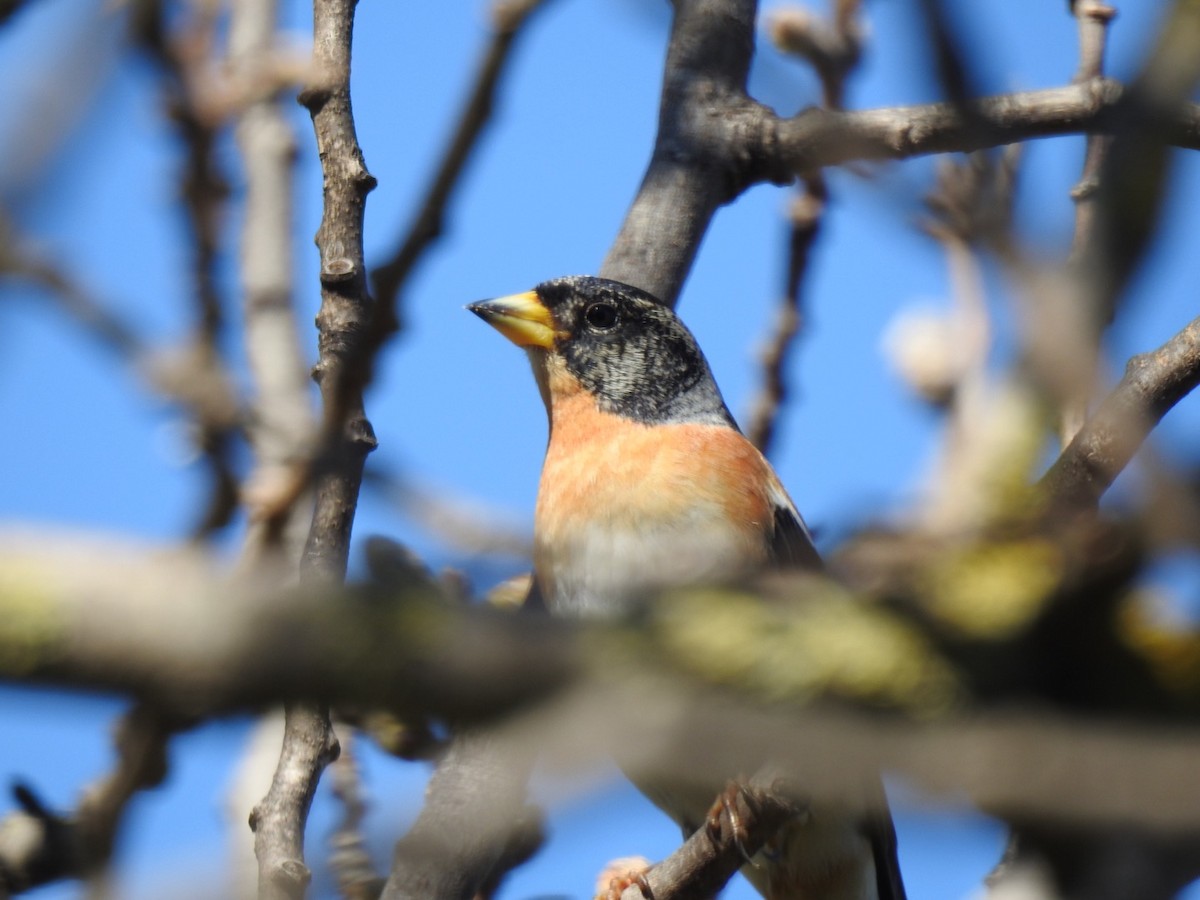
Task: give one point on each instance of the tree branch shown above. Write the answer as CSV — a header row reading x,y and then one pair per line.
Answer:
x,y
282,424
38,846
694,168
346,310
1153,383
816,138
706,861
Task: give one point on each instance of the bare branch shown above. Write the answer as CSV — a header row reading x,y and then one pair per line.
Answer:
x,y
804,215
816,138
707,860
282,426
348,857
184,59
1093,17
346,309
475,808
1153,383
689,177
38,846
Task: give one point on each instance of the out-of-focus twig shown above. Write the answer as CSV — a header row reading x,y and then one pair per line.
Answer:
x,y
348,857
281,424
176,374
184,58
833,49
804,215
945,356
38,846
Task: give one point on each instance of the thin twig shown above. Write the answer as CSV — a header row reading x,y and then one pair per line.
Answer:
x,y
1093,17
833,49
508,19
348,857
804,214
281,424
184,59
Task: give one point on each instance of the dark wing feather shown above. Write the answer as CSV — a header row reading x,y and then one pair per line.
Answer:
x,y
882,834
791,544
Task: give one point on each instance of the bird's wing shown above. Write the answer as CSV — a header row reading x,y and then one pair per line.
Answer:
x,y
791,544
882,834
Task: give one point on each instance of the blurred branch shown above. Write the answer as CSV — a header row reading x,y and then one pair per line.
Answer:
x,y
185,59
175,374
804,214
508,20
281,423
20,260
832,48
38,846
707,670
815,138
8,7
348,857
475,812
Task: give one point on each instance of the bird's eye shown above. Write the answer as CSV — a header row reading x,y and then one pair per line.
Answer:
x,y
600,316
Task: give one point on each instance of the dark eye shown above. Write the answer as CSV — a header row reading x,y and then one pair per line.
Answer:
x,y
600,316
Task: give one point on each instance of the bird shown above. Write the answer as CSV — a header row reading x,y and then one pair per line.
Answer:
x,y
648,484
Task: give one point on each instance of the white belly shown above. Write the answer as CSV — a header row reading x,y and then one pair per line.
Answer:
x,y
601,572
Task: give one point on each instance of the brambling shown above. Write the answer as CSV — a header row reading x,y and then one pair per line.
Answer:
x,y
647,485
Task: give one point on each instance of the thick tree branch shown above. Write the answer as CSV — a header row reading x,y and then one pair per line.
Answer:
x,y
222,647
476,807
694,167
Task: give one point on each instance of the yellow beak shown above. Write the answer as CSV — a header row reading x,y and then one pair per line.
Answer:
x,y
522,318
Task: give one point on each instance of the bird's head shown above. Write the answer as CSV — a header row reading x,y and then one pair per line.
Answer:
x,y
615,342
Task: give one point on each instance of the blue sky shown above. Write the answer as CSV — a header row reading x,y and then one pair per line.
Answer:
x,y
454,408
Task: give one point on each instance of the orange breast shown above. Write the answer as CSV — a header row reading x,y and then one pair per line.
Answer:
x,y
625,507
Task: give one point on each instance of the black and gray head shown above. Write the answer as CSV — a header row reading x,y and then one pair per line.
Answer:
x,y
621,344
